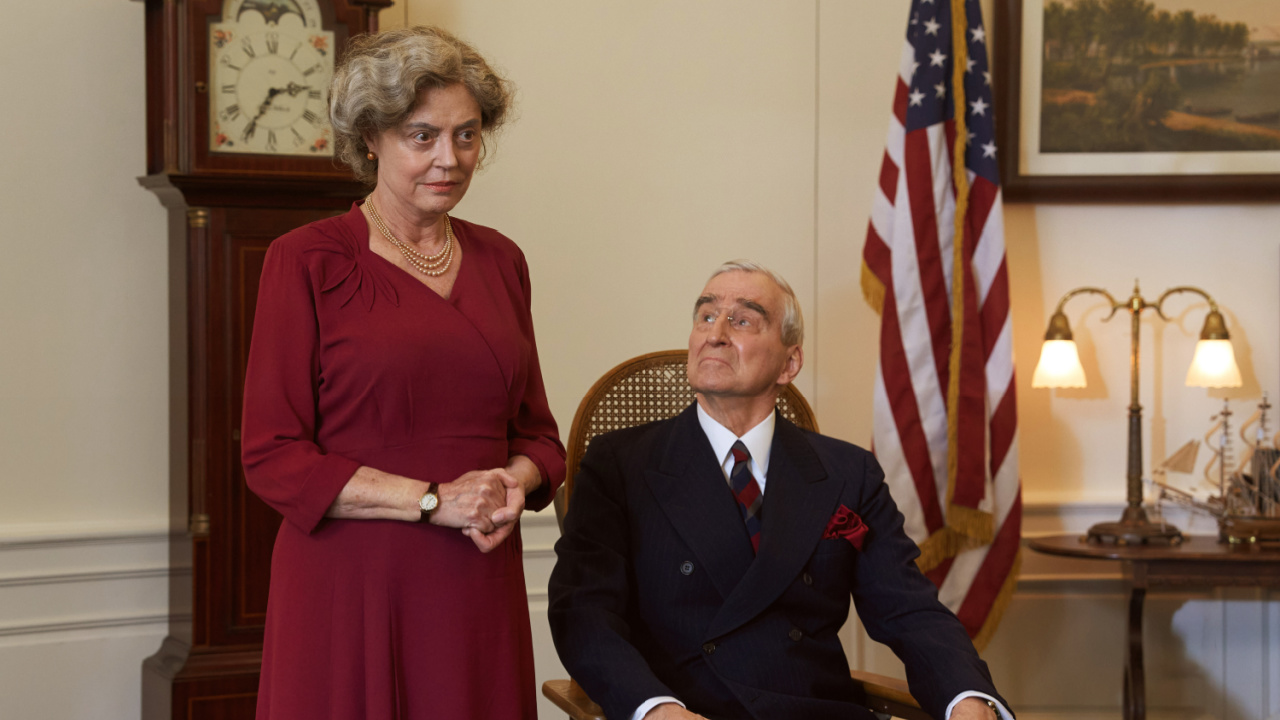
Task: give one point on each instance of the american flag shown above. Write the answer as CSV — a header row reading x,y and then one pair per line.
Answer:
x,y
945,410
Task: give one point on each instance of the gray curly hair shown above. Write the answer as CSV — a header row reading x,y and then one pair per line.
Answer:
x,y
376,88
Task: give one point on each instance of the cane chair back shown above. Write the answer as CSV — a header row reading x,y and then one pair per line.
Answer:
x,y
643,389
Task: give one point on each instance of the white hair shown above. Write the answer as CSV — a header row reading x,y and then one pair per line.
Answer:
x,y
792,318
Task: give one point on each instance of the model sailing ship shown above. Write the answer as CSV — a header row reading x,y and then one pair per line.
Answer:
x,y
1244,495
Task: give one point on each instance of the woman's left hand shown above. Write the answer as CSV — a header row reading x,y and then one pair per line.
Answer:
x,y
521,479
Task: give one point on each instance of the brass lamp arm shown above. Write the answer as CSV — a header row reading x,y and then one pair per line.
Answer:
x,y
1213,306
1115,306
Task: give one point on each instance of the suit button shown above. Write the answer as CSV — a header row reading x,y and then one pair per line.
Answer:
x,y
795,634
709,648
686,568
808,579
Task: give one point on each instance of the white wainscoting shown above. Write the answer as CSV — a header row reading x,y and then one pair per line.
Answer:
x,y
80,607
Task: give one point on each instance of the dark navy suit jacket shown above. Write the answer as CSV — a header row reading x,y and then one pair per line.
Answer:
x,y
656,590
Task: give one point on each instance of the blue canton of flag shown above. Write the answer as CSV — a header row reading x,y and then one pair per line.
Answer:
x,y
931,101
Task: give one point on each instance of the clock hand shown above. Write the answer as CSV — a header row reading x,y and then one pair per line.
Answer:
x,y
266,104
262,110
294,88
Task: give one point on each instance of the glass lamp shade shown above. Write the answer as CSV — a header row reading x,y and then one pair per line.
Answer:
x,y
1059,366
1214,365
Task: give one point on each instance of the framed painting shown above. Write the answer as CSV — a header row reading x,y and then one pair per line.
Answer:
x,y
1146,100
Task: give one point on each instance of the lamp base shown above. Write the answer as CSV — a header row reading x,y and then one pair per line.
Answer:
x,y
1134,528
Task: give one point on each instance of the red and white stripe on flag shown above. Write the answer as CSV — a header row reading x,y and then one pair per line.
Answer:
x,y
945,410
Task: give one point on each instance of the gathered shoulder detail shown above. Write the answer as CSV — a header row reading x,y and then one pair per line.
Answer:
x,y
340,266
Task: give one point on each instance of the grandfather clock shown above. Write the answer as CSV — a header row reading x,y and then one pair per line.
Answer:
x,y
240,151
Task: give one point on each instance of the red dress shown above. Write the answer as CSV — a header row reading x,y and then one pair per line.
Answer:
x,y
355,362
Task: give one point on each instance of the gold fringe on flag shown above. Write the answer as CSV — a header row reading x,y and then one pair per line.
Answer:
x,y
977,525
872,289
969,522
946,543
999,605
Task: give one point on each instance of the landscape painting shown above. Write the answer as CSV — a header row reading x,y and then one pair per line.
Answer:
x,y
1160,76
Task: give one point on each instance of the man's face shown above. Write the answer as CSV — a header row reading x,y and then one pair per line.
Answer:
x,y
735,347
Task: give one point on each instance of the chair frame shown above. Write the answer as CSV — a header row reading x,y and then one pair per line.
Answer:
x,y
883,694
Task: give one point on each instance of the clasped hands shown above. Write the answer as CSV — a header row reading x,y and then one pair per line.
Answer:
x,y
485,504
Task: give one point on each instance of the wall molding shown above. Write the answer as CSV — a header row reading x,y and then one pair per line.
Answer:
x,y
159,620
70,534
89,576
66,578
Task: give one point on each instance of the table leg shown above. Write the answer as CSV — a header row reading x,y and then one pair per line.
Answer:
x,y
1135,691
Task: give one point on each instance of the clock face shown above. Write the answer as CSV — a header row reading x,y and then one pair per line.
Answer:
x,y
270,66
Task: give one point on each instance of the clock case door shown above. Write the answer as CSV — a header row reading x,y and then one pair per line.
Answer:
x,y
224,211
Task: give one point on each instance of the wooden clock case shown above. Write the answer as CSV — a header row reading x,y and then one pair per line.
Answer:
x,y
223,212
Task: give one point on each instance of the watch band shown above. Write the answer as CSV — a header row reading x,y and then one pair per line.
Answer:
x,y
431,490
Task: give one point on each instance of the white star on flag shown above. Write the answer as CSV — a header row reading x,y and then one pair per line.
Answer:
x,y
936,58
989,150
979,35
979,106
931,27
969,63
942,89
986,75
917,98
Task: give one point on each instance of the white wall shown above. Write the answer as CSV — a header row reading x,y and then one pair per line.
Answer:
x,y
653,141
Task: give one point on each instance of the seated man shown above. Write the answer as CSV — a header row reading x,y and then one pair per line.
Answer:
x,y
708,560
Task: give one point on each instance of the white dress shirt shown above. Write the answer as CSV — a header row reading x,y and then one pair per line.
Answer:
x,y
759,442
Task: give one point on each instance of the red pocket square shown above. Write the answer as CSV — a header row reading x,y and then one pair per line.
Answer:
x,y
846,524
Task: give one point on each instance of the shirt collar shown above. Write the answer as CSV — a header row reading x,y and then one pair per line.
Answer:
x,y
759,442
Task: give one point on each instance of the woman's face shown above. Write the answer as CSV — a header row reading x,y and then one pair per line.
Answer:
x,y
425,164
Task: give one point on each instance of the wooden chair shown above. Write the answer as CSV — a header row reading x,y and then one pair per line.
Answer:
x,y
656,387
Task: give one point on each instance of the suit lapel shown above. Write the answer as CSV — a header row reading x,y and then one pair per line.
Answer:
x,y
690,488
798,502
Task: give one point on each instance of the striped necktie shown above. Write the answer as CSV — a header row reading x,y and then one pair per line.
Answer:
x,y
747,491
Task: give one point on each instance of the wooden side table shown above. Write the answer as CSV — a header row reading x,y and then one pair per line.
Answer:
x,y
1198,562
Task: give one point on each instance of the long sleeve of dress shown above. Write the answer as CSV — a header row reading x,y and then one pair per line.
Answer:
x,y
533,432
282,462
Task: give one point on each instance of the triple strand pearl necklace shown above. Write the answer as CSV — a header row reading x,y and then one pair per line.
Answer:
x,y
432,265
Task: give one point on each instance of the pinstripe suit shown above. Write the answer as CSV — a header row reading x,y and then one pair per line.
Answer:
x,y
656,590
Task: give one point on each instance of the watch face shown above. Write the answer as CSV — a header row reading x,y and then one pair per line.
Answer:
x,y
428,502
269,71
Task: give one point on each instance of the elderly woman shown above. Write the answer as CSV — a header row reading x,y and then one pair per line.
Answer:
x,y
394,413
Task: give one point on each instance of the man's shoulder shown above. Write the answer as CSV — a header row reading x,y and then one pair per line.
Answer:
x,y
635,438
827,445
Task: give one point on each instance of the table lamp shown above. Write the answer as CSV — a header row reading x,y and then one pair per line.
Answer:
x,y
1213,366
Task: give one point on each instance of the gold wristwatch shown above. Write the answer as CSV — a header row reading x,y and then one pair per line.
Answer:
x,y
429,502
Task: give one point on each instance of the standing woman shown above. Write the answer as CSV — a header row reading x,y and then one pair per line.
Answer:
x,y
394,413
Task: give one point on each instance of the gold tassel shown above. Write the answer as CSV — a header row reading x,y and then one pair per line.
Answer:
x,y
975,525
936,548
872,289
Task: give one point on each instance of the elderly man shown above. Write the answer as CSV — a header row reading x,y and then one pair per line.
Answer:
x,y
708,561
